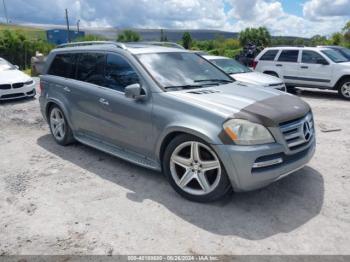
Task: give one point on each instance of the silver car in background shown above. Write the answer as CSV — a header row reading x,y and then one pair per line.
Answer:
x,y
171,110
244,74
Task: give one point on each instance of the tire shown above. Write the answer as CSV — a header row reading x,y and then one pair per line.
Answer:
x,y
291,89
344,88
199,185
59,127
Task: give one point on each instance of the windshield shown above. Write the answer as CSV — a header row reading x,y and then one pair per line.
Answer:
x,y
345,52
230,66
335,56
4,65
182,70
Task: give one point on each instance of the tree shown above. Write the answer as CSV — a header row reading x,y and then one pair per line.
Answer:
x,y
318,40
346,31
187,40
258,36
129,36
337,38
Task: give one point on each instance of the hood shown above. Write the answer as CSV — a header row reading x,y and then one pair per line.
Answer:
x,y
13,76
257,78
265,106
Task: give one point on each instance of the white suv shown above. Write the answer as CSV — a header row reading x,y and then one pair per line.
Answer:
x,y
314,67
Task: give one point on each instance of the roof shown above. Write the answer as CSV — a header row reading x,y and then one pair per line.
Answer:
x,y
296,47
134,48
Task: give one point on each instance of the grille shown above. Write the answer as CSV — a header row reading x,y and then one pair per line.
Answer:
x,y
6,86
299,132
17,85
12,95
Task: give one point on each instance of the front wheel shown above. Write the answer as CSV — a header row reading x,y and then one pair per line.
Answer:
x,y
194,169
344,88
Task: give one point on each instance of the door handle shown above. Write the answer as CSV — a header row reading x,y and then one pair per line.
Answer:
x,y
103,101
304,67
279,65
66,88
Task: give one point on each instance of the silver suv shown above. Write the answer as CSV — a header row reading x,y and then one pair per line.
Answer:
x,y
171,110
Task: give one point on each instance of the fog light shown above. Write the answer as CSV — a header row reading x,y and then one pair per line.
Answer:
x,y
268,163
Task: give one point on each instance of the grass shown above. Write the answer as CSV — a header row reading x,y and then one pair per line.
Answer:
x,y
29,32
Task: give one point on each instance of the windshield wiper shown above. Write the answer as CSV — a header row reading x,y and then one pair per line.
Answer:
x,y
184,86
214,80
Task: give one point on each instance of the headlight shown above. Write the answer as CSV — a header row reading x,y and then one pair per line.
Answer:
x,y
244,132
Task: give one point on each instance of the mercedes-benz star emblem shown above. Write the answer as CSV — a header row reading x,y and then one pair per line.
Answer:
x,y
307,131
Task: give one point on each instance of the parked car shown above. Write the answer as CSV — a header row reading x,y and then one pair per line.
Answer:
x,y
243,74
171,110
343,50
313,67
14,83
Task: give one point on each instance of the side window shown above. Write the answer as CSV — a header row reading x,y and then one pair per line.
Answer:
x,y
289,56
311,57
91,68
269,55
63,65
119,73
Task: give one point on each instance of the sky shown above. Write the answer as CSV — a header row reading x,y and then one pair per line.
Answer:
x,y
303,18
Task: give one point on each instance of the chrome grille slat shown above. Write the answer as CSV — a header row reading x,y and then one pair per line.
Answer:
x,y
293,132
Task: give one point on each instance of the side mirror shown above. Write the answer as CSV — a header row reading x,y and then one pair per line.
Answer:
x,y
134,91
322,62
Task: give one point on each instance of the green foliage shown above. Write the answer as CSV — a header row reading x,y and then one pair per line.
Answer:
x,y
129,36
337,38
258,36
18,49
187,40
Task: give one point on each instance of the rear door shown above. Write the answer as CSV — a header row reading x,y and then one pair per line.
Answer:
x,y
314,69
288,64
84,91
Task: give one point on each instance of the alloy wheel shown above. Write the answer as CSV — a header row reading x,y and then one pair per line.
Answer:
x,y
345,89
195,168
57,124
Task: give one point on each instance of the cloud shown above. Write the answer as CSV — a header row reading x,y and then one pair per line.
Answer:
x,y
231,15
325,9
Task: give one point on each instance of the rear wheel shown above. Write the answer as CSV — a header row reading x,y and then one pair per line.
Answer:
x,y
344,88
194,169
59,127
291,89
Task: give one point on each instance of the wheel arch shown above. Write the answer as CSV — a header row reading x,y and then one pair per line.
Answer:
x,y
336,86
52,103
171,133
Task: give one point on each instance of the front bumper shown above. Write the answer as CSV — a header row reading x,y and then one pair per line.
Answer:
x,y
239,161
15,93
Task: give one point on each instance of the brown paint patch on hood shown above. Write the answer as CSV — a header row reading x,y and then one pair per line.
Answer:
x,y
275,110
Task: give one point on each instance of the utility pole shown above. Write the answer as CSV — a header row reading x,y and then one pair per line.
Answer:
x,y
78,22
67,20
5,11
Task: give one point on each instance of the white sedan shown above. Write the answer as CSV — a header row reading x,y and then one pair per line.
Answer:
x,y
243,74
14,83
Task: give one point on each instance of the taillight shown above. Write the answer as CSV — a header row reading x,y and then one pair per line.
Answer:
x,y
255,63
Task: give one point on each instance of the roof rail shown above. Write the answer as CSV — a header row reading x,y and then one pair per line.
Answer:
x,y
74,44
166,44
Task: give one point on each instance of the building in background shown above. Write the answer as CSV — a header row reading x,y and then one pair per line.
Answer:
x,y
60,36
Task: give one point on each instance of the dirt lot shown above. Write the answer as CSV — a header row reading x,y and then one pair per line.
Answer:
x,y
76,200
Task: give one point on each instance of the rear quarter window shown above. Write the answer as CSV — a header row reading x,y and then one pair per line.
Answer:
x,y
63,65
269,55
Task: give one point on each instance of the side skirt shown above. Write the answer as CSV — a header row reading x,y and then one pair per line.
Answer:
x,y
118,152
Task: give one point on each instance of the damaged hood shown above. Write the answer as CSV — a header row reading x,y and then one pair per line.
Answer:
x,y
266,106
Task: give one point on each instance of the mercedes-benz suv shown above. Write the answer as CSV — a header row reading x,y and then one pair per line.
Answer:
x,y
171,110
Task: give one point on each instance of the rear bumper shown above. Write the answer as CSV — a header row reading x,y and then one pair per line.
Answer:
x,y
15,93
239,163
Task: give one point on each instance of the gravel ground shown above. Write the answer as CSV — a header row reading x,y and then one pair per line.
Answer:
x,y
77,200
